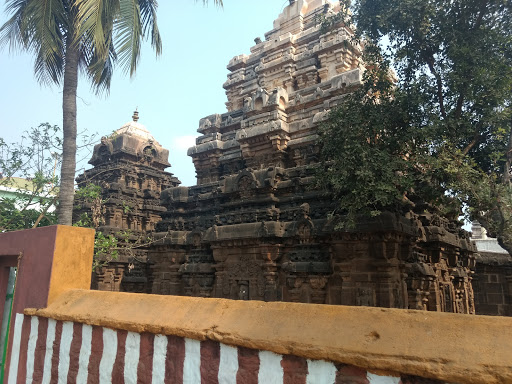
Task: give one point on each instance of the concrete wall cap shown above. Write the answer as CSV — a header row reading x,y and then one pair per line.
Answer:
x,y
393,340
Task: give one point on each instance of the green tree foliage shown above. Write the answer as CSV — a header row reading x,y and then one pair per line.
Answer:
x,y
28,184
68,36
437,134
13,217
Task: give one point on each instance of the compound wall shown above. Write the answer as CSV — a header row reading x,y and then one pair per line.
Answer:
x,y
78,335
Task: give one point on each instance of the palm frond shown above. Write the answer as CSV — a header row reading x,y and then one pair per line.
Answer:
x,y
38,26
94,19
149,22
48,26
48,66
104,32
100,71
218,3
86,53
10,32
129,33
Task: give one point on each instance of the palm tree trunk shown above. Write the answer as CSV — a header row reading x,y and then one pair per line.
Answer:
x,y
67,182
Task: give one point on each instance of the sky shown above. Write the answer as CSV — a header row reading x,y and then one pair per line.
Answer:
x,y
172,92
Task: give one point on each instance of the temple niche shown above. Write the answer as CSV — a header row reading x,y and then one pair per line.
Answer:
x,y
255,227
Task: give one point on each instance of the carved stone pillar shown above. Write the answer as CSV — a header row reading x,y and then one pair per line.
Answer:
x,y
270,254
420,279
108,278
221,286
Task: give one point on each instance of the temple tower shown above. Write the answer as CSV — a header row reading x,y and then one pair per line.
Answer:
x,y
129,166
279,94
255,227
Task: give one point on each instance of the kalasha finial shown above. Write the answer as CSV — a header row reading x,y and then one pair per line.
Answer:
x,y
135,116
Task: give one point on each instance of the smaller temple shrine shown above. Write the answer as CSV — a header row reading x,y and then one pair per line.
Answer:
x,y
492,281
129,166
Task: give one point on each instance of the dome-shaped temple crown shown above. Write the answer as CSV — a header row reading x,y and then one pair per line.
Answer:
x,y
132,142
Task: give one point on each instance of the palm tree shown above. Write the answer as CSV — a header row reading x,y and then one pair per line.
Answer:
x,y
68,36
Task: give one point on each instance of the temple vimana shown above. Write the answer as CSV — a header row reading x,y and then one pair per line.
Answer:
x,y
255,227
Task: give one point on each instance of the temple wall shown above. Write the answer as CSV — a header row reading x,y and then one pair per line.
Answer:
x,y
258,227
493,285
492,280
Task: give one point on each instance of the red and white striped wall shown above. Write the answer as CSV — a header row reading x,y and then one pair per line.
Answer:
x,y
49,351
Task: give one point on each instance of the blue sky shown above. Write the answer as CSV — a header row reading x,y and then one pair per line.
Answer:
x,y
172,92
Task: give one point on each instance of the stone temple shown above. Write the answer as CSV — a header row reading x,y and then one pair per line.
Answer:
x,y
255,227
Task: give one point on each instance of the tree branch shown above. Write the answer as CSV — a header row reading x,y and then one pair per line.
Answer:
x,y
439,81
473,142
458,108
43,212
508,162
480,17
